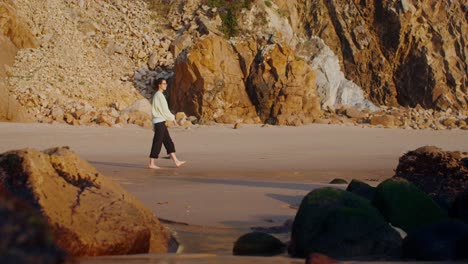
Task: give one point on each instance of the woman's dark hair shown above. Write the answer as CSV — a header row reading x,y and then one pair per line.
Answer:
x,y
158,82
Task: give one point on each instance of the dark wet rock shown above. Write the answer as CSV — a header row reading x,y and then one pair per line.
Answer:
x,y
338,181
361,188
441,174
459,208
317,258
88,213
406,206
258,244
25,235
341,224
284,228
436,242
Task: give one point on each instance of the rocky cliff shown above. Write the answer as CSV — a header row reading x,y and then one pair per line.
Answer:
x,y
94,59
88,213
405,52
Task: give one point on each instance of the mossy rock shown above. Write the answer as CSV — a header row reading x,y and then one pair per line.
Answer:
x,y
341,224
338,181
258,244
406,206
361,188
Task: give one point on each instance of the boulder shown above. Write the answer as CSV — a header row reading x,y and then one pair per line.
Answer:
x,y
139,113
26,236
88,213
438,241
282,87
361,188
341,224
208,82
353,112
142,105
258,244
438,173
404,205
387,121
180,116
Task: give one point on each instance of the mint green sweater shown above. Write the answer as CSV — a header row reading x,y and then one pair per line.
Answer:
x,y
160,109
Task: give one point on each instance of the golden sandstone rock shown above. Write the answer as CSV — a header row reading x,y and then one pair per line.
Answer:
x,y
209,82
88,213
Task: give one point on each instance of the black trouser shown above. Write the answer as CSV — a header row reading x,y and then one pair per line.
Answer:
x,y
161,136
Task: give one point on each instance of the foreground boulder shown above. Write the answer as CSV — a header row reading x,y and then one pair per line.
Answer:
x,y
88,213
341,224
438,241
25,236
258,244
405,206
438,173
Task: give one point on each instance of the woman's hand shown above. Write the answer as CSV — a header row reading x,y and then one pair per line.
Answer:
x,y
175,123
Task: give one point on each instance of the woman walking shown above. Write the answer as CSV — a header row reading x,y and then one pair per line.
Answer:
x,y
160,113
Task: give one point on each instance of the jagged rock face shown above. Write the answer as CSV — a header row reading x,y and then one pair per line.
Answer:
x,y
216,81
282,87
280,21
431,67
208,83
332,87
89,214
400,52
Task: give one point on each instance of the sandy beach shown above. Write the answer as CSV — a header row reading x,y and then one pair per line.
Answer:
x,y
234,179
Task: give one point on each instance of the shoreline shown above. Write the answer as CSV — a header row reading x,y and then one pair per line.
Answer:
x,y
222,157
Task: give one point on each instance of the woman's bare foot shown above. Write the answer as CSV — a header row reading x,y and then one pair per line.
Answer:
x,y
151,164
179,163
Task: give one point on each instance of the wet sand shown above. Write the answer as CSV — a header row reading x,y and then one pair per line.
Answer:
x,y
234,179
